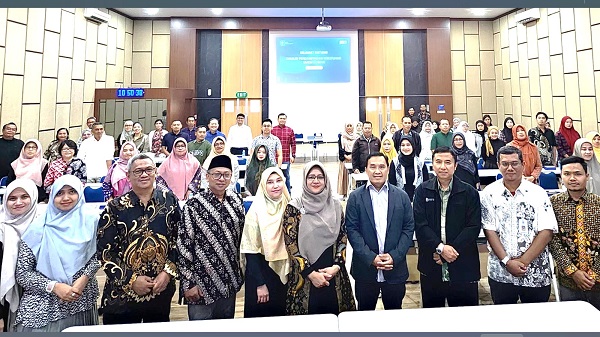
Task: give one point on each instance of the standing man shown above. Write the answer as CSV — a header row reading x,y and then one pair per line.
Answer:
x,y
288,145
406,131
239,137
213,130
200,148
518,221
137,248
544,139
442,138
380,226
189,132
424,115
97,152
448,222
169,138
575,247
10,148
209,246
366,144
272,143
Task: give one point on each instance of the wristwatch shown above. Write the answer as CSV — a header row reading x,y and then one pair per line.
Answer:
x,y
440,248
504,261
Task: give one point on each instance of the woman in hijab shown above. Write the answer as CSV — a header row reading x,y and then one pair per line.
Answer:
x,y
455,124
594,137
66,164
180,170
393,128
480,134
583,148
415,124
388,149
435,125
347,139
315,238
566,136
127,133
260,161
31,165
487,119
18,211
263,247
85,134
56,264
116,183
407,170
359,126
469,137
155,136
531,155
466,168
139,138
506,134
426,134
492,145
219,146
52,153
386,129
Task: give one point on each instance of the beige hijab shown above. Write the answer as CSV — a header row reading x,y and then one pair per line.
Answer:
x,y
321,217
263,233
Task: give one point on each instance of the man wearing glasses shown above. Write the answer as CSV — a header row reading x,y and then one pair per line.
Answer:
x,y
209,246
518,222
10,147
137,248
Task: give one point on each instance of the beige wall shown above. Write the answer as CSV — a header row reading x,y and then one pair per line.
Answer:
x,y
51,60
151,49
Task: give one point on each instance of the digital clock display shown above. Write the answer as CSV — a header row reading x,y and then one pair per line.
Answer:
x,y
130,93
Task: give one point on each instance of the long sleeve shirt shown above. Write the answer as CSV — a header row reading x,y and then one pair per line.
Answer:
x,y
136,240
288,141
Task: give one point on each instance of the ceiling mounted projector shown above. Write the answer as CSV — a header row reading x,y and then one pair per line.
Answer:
x,y
323,25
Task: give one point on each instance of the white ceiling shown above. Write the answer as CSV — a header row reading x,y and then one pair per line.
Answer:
x,y
460,13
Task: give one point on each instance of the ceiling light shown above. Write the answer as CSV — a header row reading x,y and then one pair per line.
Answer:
x,y
151,11
419,11
478,11
217,11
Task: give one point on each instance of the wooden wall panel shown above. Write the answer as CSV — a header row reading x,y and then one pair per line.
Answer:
x,y
231,65
374,63
182,59
394,64
251,60
439,71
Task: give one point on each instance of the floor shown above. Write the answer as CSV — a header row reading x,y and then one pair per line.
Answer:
x,y
412,299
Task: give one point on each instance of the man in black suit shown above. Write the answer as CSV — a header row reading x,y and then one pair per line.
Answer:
x,y
447,221
380,225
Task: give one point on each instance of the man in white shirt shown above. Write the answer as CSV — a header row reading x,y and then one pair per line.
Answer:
x,y
239,137
97,153
519,222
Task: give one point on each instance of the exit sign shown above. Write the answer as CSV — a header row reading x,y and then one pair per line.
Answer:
x,y
241,94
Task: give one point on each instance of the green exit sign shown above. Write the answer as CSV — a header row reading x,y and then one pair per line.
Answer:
x,y
241,94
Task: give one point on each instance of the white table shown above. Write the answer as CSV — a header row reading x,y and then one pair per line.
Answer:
x,y
523,317
301,323
494,172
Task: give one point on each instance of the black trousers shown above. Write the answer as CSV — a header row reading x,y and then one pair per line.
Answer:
x,y
508,293
156,310
435,292
368,293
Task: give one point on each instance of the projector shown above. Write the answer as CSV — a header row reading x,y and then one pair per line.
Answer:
x,y
323,26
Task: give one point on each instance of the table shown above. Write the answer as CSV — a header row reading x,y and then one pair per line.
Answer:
x,y
523,317
301,323
494,172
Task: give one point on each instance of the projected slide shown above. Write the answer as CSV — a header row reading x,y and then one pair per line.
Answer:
x,y
313,59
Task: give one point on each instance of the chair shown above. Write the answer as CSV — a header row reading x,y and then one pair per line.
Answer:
x,y
3,181
247,204
480,164
498,176
93,194
548,181
242,161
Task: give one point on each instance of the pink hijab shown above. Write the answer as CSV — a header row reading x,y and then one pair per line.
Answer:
x,y
178,171
30,168
119,171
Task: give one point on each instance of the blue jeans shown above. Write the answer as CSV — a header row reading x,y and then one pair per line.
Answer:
x,y
221,308
286,174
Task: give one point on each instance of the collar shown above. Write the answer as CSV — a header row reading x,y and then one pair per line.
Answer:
x,y
585,197
135,200
439,186
370,186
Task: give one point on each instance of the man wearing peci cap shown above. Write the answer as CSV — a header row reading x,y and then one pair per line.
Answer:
x,y
209,245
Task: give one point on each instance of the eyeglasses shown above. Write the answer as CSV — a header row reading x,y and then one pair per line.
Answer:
x,y
313,178
180,146
148,170
66,149
514,164
219,175
30,147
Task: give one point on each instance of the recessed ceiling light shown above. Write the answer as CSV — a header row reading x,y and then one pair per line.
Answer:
x,y
419,11
478,11
151,11
217,11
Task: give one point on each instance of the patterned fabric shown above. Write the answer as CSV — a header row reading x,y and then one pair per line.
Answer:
x,y
157,138
271,142
288,141
141,143
38,307
544,141
209,245
576,246
135,240
59,167
298,286
517,220
51,152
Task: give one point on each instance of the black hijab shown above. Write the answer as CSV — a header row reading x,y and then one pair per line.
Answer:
x,y
508,136
485,129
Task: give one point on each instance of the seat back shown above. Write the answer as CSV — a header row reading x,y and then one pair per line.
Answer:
x,y
498,176
93,194
548,181
480,164
3,181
